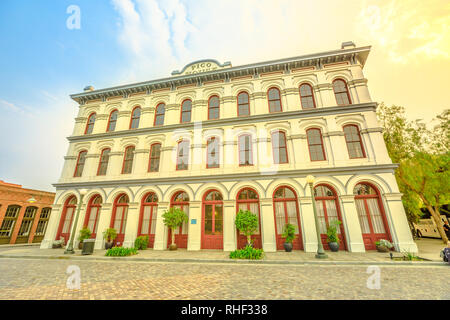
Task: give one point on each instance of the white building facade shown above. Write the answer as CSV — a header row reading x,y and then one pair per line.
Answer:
x,y
213,139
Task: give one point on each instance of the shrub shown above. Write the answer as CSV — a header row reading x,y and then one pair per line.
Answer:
x,y
247,253
384,243
247,223
85,233
174,218
110,234
332,231
141,242
288,233
120,252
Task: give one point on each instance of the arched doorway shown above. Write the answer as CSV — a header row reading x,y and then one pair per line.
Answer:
x,y
248,199
147,219
212,220
180,200
119,218
65,224
92,214
328,210
285,207
371,215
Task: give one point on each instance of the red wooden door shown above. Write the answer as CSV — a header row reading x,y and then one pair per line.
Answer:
x,y
119,218
65,224
248,199
147,220
327,211
180,200
285,208
212,221
92,215
371,215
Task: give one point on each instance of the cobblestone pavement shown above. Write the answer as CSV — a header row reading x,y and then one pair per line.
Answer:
x,y
46,279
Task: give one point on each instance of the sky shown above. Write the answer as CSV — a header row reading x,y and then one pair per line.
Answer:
x,y
45,56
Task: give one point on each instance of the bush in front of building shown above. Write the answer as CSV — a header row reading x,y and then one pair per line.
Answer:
x,y
85,233
121,252
247,253
141,242
174,218
247,223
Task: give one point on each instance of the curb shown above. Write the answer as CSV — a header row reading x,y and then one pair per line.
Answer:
x,y
19,245
228,261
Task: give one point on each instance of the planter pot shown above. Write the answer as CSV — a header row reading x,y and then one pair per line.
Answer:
x,y
173,247
334,246
80,245
287,246
109,244
382,248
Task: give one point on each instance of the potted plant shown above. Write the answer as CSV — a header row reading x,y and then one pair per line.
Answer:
x,y
109,235
247,223
332,236
174,218
288,235
85,233
383,245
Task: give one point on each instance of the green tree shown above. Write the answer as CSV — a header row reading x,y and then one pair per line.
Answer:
x,y
174,218
247,223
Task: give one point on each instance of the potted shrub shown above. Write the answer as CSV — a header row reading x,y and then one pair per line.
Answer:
x,y
383,245
247,223
141,243
288,235
174,218
109,235
85,233
332,236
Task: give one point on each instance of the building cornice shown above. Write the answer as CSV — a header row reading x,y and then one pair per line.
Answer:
x,y
367,169
354,55
297,114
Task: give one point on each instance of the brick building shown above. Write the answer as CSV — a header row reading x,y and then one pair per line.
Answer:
x,y
24,213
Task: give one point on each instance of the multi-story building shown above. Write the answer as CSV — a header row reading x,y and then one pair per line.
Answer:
x,y
24,213
213,139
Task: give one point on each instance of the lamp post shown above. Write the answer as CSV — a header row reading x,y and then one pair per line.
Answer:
x,y
69,249
320,253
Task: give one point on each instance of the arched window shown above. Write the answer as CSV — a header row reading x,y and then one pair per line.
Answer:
x,y
112,121
135,117
128,160
307,96
159,114
90,124
212,153
80,163
274,98
92,214
25,227
354,142
245,150
186,110
119,217
371,215
248,199
180,200
279,147
155,154
328,211
212,222
243,104
286,211
103,163
42,224
147,220
341,92
9,221
315,144
213,108
66,219
183,155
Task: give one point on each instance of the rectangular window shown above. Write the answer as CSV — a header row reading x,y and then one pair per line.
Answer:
x,y
183,155
80,164
128,160
212,153
245,150
315,144
103,165
155,154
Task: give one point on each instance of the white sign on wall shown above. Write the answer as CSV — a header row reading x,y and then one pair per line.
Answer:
x,y
201,66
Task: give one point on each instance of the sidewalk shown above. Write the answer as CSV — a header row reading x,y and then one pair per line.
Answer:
x,y
428,249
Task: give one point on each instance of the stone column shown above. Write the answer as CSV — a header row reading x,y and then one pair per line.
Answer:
x,y
104,221
398,223
351,224
80,222
161,231
195,230
308,223
268,226
229,229
52,227
131,228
